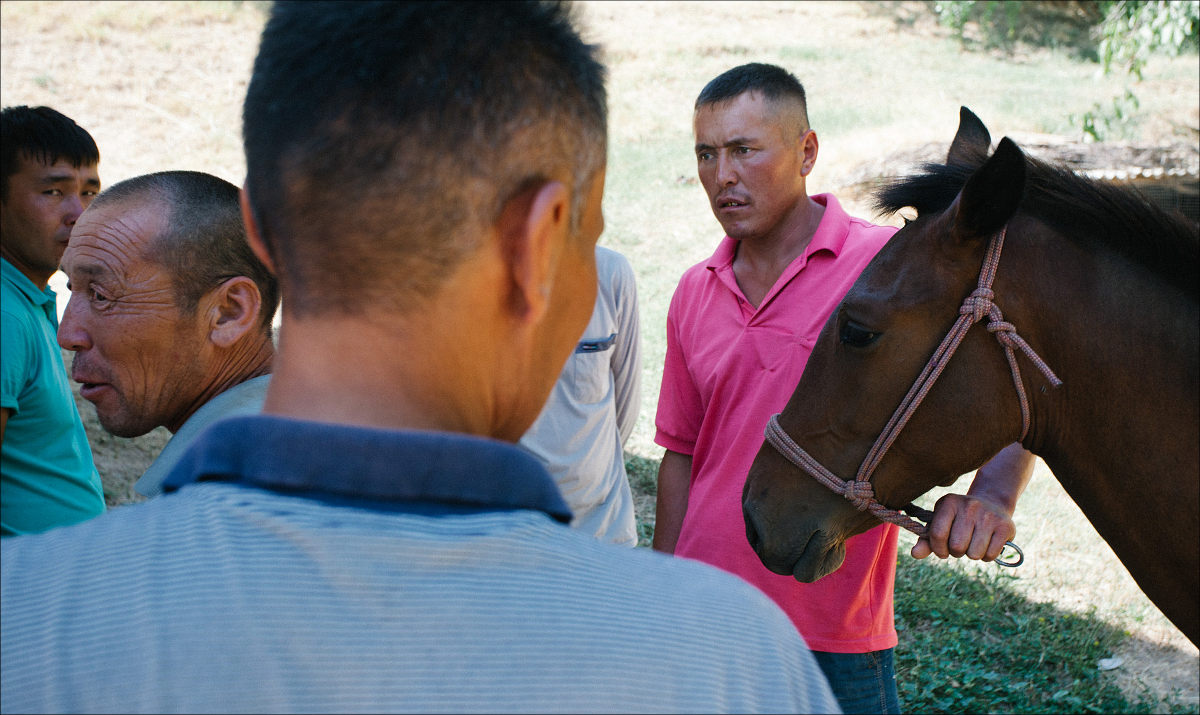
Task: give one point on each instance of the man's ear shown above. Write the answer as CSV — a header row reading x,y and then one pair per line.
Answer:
x,y
233,310
253,234
808,151
532,229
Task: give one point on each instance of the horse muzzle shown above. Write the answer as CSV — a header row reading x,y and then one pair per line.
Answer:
x,y
804,552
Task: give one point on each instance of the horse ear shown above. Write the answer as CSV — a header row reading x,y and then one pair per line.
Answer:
x,y
992,194
971,143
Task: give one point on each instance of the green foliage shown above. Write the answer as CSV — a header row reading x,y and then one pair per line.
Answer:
x,y
1128,33
1131,31
969,642
954,14
999,18
1104,122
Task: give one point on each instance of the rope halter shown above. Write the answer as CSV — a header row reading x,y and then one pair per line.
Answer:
x,y
977,306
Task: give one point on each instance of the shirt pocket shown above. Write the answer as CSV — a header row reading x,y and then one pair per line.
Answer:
x,y
591,377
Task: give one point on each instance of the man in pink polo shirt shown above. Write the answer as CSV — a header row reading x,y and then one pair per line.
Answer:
x,y
740,329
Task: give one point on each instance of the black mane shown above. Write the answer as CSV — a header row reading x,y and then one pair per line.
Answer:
x,y
1089,212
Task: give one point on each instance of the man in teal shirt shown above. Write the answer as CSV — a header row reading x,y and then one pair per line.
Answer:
x,y
47,477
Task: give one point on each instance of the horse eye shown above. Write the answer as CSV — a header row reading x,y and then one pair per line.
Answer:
x,y
857,336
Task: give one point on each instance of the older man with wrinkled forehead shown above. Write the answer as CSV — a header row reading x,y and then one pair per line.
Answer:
x,y
170,311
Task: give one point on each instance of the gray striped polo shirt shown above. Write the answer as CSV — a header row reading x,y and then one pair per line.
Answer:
x,y
303,567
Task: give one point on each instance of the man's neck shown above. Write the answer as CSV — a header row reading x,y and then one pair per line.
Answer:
x,y
40,279
251,360
365,373
760,261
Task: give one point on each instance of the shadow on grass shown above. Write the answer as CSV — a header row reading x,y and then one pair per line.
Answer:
x,y
970,642
643,474
643,480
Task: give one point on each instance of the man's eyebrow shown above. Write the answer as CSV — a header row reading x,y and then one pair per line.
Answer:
x,y
736,141
90,270
56,178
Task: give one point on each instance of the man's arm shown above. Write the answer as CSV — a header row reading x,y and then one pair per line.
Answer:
x,y
977,524
4,413
626,361
674,478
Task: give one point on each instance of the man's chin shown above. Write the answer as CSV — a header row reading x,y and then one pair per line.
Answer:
x,y
117,427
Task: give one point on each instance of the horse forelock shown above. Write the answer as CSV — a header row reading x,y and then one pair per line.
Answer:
x,y
1087,211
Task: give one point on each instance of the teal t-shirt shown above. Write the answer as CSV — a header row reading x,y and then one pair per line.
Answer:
x,y
47,477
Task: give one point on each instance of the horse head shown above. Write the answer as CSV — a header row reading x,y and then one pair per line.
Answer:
x,y
870,351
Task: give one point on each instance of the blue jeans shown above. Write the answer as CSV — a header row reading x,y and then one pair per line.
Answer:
x,y
862,682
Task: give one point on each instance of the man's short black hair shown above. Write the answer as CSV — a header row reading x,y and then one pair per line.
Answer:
x,y
774,83
383,138
204,243
44,135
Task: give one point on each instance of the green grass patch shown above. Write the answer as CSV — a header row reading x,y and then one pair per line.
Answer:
x,y
973,638
970,642
643,479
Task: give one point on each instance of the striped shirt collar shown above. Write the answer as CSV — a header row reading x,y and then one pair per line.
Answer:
x,y
385,467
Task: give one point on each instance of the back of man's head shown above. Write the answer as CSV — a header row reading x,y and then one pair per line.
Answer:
x,y
772,82
44,135
382,139
204,242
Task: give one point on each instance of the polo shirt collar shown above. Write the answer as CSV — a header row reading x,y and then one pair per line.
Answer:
x,y
368,464
830,236
37,296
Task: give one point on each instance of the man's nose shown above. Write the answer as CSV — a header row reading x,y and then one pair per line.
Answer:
x,y
73,207
726,175
71,332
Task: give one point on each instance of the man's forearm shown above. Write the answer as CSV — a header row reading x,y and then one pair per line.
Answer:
x,y
1004,477
674,478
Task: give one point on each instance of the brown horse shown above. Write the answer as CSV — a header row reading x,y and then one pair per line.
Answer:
x,y
1096,281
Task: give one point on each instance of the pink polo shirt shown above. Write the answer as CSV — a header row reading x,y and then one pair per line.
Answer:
x,y
728,368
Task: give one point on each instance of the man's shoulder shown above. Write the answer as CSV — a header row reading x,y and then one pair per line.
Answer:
x,y
697,274
16,315
859,232
14,304
19,339
861,227
613,270
864,238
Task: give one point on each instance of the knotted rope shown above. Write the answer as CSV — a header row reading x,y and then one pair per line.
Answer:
x,y
977,306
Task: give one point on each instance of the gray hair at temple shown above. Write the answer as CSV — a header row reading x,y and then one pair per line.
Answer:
x,y
204,243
